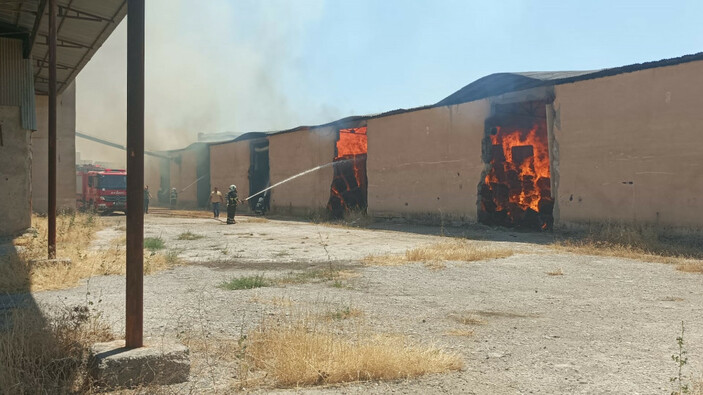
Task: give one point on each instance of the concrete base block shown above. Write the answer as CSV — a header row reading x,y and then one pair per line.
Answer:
x,y
158,362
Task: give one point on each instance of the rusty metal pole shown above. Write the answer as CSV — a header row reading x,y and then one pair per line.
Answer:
x,y
51,209
135,174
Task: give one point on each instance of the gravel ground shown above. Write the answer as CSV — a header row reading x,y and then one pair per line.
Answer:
x,y
605,325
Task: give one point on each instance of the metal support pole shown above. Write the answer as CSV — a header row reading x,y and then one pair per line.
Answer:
x,y
52,129
135,174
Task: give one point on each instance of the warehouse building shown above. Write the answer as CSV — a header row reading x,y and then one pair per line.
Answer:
x,y
528,150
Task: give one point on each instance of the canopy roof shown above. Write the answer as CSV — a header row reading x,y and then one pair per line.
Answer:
x,y
82,25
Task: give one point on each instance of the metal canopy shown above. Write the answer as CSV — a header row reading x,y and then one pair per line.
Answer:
x,y
83,26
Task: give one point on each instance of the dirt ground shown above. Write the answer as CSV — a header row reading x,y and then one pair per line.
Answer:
x,y
605,325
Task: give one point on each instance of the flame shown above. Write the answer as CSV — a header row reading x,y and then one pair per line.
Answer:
x,y
520,165
351,142
351,148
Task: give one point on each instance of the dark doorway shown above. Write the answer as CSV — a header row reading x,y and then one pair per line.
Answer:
x,y
515,190
349,185
202,172
165,180
259,174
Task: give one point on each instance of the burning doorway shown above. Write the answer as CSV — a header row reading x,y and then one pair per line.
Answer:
x,y
349,185
515,189
259,174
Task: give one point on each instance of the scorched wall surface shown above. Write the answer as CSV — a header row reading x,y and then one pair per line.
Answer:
x,y
229,164
629,147
427,162
294,152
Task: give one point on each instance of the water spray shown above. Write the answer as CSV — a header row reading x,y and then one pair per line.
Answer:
x,y
298,175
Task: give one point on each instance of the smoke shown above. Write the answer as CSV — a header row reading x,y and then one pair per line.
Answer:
x,y
211,66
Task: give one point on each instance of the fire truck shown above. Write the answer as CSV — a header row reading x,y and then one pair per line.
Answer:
x,y
100,189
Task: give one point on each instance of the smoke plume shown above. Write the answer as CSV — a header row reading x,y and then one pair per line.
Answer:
x,y
211,66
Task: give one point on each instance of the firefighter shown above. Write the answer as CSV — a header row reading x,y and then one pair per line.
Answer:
x,y
260,208
147,198
232,201
174,197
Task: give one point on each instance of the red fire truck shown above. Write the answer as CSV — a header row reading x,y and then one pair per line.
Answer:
x,y
100,189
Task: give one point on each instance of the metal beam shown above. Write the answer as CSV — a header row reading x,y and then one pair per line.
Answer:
x,y
74,13
134,328
58,30
89,53
52,129
115,145
35,28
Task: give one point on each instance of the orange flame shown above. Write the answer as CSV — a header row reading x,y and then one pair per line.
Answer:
x,y
526,155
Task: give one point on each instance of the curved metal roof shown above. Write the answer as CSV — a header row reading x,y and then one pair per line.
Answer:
x,y
82,26
500,83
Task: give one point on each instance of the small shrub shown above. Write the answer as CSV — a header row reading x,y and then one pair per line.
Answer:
x,y
189,236
154,243
247,282
47,355
343,313
556,272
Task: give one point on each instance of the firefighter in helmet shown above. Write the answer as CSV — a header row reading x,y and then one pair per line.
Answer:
x,y
174,197
232,201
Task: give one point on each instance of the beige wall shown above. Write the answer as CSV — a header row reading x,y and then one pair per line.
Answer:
x,y
15,167
426,161
229,164
294,152
629,147
65,152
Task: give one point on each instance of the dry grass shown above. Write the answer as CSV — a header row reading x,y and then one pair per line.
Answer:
x,y
434,254
467,319
639,242
691,267
28,271
556,272
460,333
343,313
299,354
46,355
256,220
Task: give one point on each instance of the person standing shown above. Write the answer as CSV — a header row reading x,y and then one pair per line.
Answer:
x,y
215,199
174,197
232,201
147,198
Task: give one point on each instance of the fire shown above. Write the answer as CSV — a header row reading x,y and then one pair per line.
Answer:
x,y
516,190
348,190
351,142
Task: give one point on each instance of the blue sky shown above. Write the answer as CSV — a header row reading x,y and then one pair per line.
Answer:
x,y
230,65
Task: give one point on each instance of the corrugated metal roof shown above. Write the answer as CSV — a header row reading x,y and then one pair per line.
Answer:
x,y
83,26
17,82
500,83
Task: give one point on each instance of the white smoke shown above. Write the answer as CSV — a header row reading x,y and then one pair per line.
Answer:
x,y
211,66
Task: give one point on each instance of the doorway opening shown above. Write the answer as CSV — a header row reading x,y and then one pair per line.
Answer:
x,y
515,188
259,176
349,184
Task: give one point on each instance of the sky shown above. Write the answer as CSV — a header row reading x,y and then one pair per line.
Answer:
x,y
261,65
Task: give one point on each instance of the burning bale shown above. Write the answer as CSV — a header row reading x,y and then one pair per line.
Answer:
x,y
349,185
516,187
